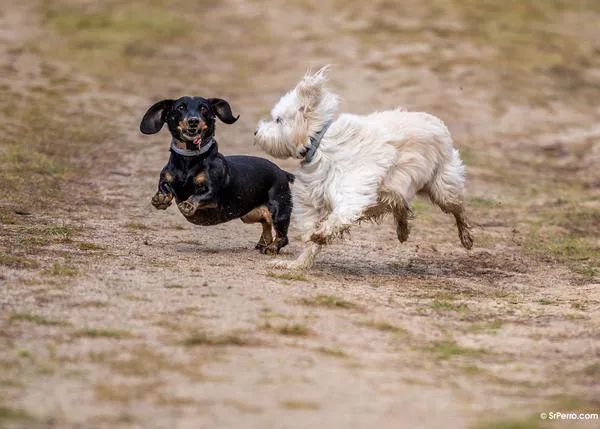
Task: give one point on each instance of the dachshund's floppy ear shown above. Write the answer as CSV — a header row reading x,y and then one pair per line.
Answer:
x,y
155,117
222,110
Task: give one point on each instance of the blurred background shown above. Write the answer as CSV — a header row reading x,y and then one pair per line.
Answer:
x,y
516,81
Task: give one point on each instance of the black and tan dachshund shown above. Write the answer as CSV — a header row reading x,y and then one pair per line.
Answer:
x,y
210,188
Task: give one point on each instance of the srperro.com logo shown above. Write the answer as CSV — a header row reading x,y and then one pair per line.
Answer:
x,y
557,415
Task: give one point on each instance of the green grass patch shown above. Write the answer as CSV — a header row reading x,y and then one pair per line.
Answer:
x,y
63,232
300,405
37,319
448,349
384,327
43,151
533,422
567,233
580,254
17,262
593,371
329,301
439,305
62,270
495,325
7,218
102,333
33,241
295,330
472,370
8,414
105,39
231,339
90,246
294,276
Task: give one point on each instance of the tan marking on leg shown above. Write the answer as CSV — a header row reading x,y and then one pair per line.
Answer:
x,y
257,215
267,235
207,205
263,215
200,178
169,177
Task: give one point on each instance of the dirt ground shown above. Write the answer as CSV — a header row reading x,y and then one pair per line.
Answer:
x,y
115,315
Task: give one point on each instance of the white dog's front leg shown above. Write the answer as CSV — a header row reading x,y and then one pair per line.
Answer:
x,y
331,227
304,261
348,197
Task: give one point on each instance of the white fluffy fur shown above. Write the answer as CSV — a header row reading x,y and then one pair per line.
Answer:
x,y
366,166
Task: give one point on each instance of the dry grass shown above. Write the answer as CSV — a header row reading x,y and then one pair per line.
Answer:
x,y
569,235
17,262
384,326
61,270
231,339
116,334
37,319
330,351
295,330
296,404
294,276
449,348
329,301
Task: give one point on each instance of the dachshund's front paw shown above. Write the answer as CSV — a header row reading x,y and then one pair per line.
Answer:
x,y
187,208
275,246
162,201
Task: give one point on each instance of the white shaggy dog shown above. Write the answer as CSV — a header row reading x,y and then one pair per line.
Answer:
x,y
359,167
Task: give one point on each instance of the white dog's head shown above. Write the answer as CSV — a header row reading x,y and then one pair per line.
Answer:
x,y
299,114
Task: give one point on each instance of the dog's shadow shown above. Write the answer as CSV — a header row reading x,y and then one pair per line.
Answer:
x,y
221,249
211,248
473,265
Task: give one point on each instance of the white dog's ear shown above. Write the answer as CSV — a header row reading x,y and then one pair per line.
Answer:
x,y
310,89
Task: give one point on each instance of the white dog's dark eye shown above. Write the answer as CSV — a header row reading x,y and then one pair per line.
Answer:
x,y
278,120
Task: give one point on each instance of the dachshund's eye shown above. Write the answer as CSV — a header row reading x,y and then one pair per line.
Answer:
x,y
181,108
203,109
278,120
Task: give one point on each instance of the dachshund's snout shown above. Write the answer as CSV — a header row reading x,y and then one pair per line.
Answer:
x,y
193,122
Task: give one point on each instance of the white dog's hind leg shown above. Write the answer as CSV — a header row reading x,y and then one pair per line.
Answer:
x,y
446,189
398,190
402,213
304,261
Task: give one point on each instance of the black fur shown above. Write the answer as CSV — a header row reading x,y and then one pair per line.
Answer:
x,y
211,188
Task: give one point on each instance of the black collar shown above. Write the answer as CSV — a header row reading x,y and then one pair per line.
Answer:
x,y
315,142
203,148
